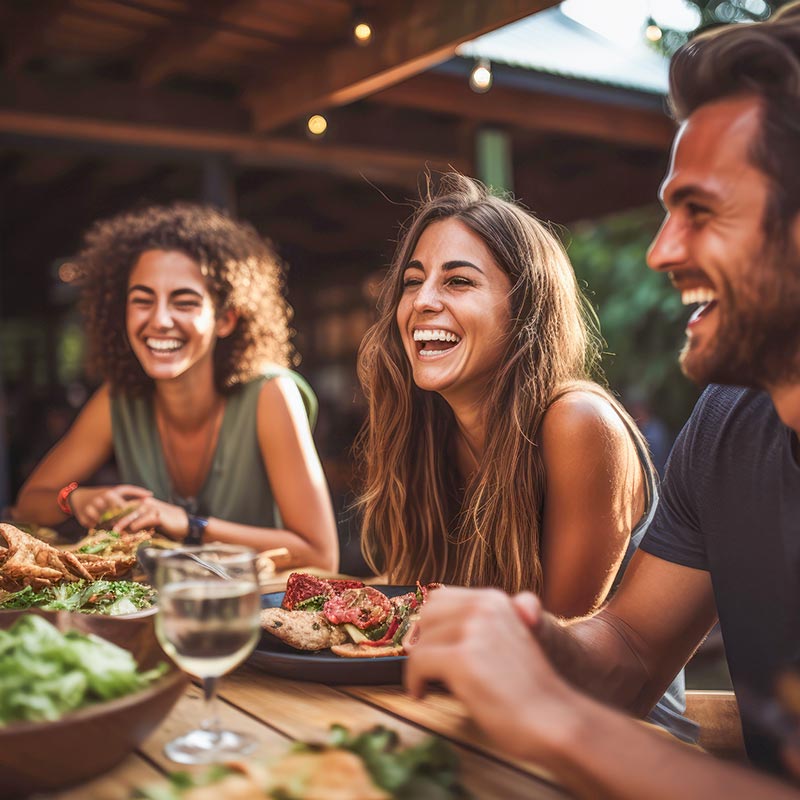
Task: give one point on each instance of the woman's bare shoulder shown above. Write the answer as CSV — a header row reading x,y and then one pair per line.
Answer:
x,y
582,419
279,390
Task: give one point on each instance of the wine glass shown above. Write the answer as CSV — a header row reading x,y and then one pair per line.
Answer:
x,y
208,623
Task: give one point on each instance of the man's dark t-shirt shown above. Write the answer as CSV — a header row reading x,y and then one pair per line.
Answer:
x,y
730,504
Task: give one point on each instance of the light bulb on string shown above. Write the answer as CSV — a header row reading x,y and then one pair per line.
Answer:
x,y
317,125
653,33
480,79
361,27
362,33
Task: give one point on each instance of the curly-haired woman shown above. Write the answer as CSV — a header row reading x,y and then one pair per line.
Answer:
x,y
188,327
491,456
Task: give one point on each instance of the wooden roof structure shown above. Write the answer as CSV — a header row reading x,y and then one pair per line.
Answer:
x,y
109,103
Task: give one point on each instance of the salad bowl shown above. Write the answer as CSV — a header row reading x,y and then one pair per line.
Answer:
x,y
49,755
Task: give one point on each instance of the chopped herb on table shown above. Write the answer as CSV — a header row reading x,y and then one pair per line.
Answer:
x,y
426,771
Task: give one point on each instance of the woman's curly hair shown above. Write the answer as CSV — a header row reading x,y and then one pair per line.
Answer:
x,y
241,270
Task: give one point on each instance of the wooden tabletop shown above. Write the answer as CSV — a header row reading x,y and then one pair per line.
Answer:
x,y
279,711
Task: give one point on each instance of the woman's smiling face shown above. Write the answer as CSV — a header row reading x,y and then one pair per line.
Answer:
x,y
454,314
170,318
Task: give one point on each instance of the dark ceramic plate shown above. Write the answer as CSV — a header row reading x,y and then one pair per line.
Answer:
x,y
322,666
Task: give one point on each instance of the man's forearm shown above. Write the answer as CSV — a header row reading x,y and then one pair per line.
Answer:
x,y
600,656
601,753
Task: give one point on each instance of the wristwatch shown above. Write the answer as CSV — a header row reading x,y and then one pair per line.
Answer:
x,y
197,530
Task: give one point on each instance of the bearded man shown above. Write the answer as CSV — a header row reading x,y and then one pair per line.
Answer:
x,y
725,541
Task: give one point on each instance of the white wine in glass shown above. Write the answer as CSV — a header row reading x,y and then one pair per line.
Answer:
x,y
208,623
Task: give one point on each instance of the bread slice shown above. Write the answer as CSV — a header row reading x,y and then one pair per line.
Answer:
x,y
305,630
367,651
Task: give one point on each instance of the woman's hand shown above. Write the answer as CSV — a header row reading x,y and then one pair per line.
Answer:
x,y
170,519
89,503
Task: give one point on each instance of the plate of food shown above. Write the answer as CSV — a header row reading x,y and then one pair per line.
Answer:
x,y
367,765
36,574
337,631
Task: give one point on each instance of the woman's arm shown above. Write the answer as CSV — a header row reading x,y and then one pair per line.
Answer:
x,y
297,480
80,453
594,497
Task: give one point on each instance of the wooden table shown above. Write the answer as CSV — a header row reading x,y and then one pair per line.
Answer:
x,y
278,711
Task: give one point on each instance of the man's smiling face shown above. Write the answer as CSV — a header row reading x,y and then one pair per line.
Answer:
x,y
712,245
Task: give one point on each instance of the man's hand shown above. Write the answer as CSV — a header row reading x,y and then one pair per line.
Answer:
x,y
479,644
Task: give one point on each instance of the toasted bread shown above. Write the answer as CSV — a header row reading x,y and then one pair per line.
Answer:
x,y
305,630
367,651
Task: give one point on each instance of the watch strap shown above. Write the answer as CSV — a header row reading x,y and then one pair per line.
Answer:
x,y
197,530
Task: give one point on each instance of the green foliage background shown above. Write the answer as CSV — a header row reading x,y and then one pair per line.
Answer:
x,y
641,315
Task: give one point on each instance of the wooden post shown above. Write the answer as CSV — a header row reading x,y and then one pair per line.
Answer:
x,y
219,187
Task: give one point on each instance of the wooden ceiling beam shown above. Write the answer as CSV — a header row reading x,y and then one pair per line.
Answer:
x,y
24,32
532,111
179,42
369,162
120,101
409,38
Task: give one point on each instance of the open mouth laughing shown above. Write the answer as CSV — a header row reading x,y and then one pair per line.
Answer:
x,y
704,297
163,346
695,289
432,342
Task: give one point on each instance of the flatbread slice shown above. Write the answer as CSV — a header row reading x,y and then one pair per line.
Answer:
x,y
305,630
367,651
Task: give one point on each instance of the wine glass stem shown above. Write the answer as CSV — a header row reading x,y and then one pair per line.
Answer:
x,y
211,716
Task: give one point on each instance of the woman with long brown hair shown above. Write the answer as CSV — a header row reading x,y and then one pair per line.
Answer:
x,y
492,454
493,457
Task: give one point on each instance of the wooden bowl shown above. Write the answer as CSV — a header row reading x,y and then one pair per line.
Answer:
x,y
45,756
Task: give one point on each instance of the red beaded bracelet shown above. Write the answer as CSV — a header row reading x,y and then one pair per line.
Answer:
x,y
63,495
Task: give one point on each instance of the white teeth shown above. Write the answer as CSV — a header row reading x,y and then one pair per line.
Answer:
x,y
702,295
424,335
164,344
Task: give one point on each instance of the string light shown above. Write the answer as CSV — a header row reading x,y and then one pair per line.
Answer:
x,y
653,33
69,272
317,125
362,27
362,33
480,79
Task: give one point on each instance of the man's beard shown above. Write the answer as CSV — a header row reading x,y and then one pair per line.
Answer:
x,y
757,342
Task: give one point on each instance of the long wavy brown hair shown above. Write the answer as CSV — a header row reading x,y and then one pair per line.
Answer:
x,y
419,522
241,270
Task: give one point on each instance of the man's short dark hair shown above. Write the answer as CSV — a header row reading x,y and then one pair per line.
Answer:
x,y
761,60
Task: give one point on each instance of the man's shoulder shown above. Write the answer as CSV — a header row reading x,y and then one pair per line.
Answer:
x,y
726,407
727,423
725,398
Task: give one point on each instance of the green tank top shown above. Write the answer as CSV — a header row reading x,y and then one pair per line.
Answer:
x,y
236,488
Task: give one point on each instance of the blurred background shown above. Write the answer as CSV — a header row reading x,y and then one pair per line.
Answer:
x,y
315,120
